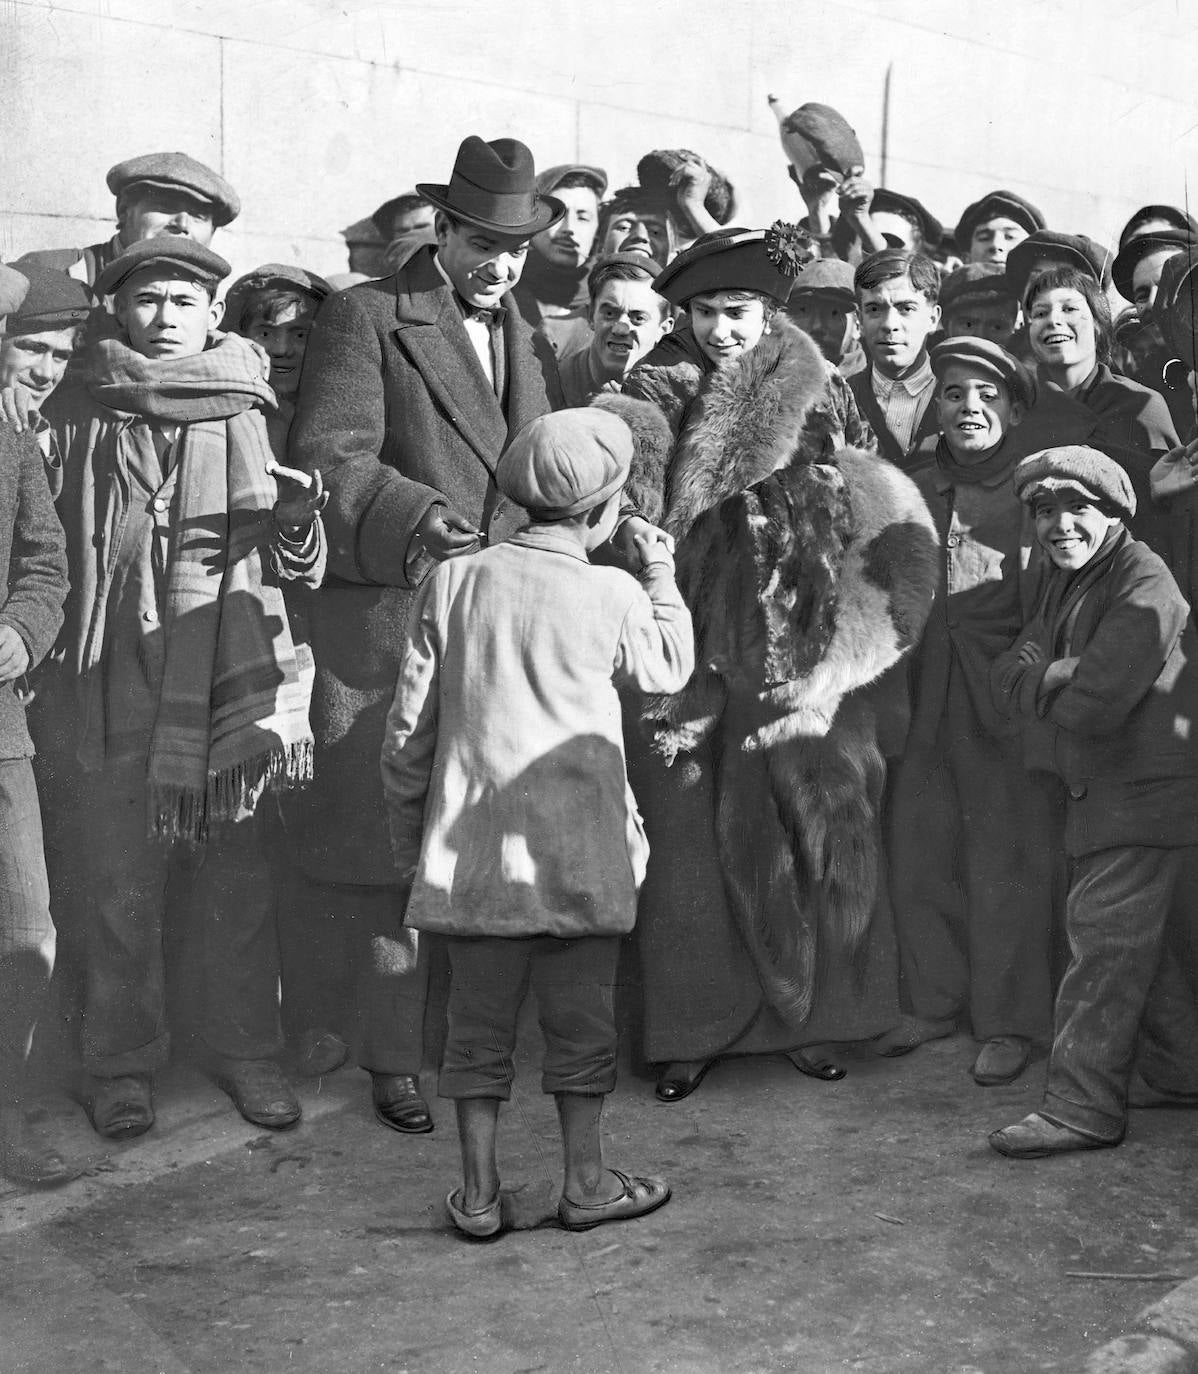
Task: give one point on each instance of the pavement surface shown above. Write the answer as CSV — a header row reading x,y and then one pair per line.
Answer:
x,y
863,1225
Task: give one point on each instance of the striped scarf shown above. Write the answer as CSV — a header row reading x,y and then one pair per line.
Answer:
x,y
233,710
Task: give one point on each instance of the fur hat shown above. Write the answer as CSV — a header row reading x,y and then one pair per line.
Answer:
x,y
996,205
1138,247
1147,213
765,260
817,138
167,250
178,172
13,288
989,359
53,300
493,187
981,281
567,462
1078,467
1046,248
652,442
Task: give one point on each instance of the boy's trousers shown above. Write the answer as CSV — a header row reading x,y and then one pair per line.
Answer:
x,y
221,899
1125,986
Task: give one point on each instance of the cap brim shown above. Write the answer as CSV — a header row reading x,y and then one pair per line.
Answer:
x,y
549,211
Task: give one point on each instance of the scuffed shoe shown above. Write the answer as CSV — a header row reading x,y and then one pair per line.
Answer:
x,y
1035,1137
639,1197
120,1108
1001,1060
484,1224
259,1092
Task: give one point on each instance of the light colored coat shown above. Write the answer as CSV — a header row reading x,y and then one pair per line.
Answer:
x,y
503,760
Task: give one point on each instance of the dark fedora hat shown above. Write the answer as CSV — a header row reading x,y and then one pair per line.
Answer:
x,y
494,187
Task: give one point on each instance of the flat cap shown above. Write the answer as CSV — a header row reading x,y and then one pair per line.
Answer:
x,y
13,288
826,277
1146,214
178,172
1047,248
271,276
552,177
984,358
1077,466
567,462
173,251
640,263
53,300
1140,246
975,281
363,231
818,138
886,201
996,205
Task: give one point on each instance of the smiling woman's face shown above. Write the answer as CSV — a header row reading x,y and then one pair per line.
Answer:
x,y
727,324
1061,328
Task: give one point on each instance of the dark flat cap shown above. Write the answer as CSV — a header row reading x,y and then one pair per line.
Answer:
x,y
178,172
975,281
817,137
1046,248
989,359
886,201
165,251
1075,465
1171,214
826,277
271,276
552,177
996,205
1175,309
53,301
1140,246
14,286
640,263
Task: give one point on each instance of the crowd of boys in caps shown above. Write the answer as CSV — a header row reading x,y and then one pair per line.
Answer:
x,y
230,530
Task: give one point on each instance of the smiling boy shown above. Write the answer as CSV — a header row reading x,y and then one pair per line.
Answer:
x,y
1102,680
971,842
897,301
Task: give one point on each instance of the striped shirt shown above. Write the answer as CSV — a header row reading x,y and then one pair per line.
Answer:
x,y
904,400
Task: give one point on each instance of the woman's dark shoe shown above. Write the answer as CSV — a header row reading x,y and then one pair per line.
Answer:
x,y
259,1092
120,1108
680,1079
815,1064
398,1104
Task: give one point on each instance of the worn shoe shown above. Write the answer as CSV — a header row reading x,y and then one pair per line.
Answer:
x,y
910,1033
484,1224
1001,1060
680,1079
1035,1137
318,1052
259,1092
639,1197
120,1108
398,1103
815,1063
25,1158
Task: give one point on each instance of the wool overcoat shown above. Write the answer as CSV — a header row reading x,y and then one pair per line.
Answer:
x,y
398,415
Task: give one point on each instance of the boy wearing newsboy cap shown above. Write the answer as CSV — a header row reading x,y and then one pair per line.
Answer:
x,y
510,811
1102,681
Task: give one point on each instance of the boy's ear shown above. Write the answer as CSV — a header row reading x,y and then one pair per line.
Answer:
x,y
1018,411
216,314
935,316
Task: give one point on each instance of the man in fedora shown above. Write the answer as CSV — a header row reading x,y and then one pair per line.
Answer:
x,y
412,387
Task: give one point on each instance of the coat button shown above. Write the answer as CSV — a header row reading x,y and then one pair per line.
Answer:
x,y
1077,790
149,616
952,541
159,503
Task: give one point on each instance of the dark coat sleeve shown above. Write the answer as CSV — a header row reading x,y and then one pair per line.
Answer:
x,y
37,569
340,427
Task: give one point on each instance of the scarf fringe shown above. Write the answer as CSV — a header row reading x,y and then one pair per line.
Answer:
x,y
185,813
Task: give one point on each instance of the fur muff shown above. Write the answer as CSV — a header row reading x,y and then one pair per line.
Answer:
x,y
651,445
806,581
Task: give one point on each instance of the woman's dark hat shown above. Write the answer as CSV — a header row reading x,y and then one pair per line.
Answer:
x,y
763,260
494,187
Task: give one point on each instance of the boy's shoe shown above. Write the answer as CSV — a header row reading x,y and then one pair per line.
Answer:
x,y
120,1108
1035,1137
1001,1060
259,1091
640,1197
910,1033
481,1225
398,1103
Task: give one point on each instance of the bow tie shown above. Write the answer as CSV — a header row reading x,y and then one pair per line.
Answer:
x,y
481,314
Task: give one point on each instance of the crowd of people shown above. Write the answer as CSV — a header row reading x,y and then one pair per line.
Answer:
x,y
786,628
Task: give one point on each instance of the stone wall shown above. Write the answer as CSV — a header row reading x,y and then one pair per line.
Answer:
x,y
317,110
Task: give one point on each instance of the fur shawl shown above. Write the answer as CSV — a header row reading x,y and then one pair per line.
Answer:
x,y
806,581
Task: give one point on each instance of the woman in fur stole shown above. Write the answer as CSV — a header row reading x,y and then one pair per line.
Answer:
x,y
809,568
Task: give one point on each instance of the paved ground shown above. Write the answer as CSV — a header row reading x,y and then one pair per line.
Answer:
x,y
863,1225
